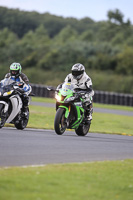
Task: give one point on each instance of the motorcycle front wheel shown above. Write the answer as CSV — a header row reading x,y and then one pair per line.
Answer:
x,y
60,122
21,124
82,130
2,121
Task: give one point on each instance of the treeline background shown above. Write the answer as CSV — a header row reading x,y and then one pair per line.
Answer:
x,y
47,46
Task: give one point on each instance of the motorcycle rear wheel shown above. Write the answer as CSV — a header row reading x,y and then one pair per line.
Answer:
x,y
82,130
59,122
23,122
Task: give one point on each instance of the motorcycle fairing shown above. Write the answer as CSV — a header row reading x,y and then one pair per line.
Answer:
x,y
67,111
79,114
16,107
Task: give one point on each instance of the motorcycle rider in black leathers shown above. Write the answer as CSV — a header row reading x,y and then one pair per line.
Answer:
x,y
82,82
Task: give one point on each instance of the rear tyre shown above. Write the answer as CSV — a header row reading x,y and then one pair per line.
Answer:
x,y
60,122
83,129
22,123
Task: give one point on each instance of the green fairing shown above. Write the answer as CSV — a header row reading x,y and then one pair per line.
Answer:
x,y
67,110
68,93
78,121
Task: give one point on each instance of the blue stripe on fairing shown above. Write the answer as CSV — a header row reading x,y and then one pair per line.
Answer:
x,y
26,89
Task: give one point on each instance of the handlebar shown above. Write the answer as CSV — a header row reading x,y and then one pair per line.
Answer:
x,y
52,89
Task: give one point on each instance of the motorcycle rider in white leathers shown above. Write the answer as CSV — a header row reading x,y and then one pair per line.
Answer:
x,y
82,82
15,75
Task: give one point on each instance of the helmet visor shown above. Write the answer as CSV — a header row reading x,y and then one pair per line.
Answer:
x,y
77,73
14,72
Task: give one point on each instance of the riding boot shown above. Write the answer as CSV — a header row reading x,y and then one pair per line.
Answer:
x,y
24,111
88,113
25,100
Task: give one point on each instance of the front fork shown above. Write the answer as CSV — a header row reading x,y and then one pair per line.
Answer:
x,y
3,112
67,112
77,113
5,106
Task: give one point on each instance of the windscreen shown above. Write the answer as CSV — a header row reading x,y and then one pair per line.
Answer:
x,y
67,88
6,81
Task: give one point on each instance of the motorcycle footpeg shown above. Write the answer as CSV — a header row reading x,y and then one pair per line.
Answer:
x,y
24,115
88,122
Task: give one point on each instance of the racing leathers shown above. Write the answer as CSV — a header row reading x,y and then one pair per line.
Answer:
x,y
83,84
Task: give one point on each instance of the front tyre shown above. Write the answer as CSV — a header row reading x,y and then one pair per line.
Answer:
x,y
82,130
22,123
2,116
60,121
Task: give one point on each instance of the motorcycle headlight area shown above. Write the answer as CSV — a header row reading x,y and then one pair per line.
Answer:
x,y
7,93
58,98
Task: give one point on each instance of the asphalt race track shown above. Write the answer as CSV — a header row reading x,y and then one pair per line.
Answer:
x,y
39,147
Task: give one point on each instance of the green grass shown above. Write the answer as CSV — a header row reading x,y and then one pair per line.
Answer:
x,y
108,180
111,123
41,99
41,117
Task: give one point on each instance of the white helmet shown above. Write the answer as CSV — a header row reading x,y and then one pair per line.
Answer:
x,y
78,71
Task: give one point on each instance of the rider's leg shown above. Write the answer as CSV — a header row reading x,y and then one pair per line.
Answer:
x,y
25,100
88,110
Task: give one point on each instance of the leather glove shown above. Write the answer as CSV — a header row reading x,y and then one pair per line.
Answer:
x,y
20,90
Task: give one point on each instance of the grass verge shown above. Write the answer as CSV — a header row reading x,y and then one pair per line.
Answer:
x,y
95,181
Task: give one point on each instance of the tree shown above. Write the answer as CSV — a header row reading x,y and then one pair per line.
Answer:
x,y
125,62
66,34
115,16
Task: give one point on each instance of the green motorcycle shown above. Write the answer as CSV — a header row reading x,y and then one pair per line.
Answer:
x,y
70,112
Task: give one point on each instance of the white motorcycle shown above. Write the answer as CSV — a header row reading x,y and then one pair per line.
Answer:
x,y
11,105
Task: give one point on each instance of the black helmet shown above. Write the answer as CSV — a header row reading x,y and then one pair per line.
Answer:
x,y
78,71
